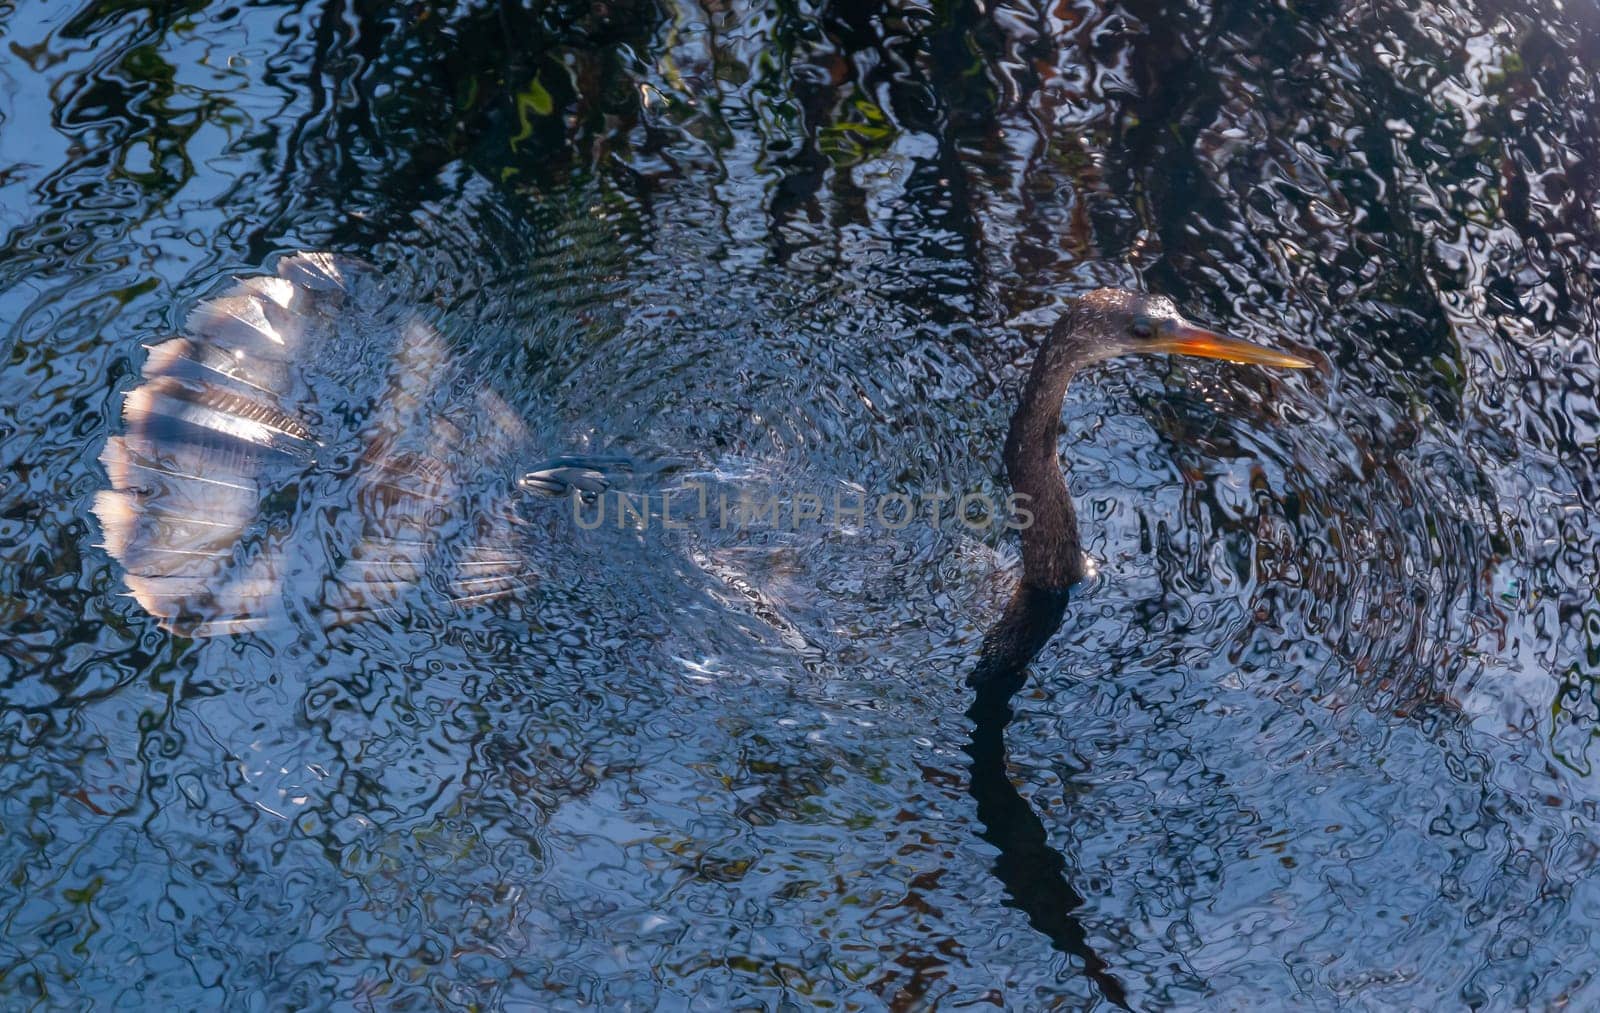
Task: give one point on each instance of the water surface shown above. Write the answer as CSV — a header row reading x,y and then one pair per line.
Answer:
x,y
1322,734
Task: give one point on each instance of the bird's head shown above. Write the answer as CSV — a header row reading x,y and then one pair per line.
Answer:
x,y
1109,322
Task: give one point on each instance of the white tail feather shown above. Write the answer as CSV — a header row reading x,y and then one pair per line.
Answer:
x,y
229,506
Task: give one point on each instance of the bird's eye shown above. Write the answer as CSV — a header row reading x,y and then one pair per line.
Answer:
x,y
1142,328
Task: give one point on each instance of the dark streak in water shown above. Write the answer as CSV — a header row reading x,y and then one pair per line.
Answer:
x,y
1035,874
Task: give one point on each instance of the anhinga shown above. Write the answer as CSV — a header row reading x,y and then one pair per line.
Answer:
x,y
311,443
1103,324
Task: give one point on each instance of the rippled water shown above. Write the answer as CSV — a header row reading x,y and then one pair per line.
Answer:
x,y
1322,733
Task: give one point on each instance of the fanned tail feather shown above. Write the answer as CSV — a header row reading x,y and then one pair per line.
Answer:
x,y
302,447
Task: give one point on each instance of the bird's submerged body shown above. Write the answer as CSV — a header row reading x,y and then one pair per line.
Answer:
x,y
310,447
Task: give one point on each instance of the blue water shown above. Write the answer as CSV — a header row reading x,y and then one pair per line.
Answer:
x,y
1320,735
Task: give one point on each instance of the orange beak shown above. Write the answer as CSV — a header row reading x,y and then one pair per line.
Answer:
x,y
1182,339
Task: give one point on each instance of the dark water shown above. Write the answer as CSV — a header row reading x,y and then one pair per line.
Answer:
x,y
1322,735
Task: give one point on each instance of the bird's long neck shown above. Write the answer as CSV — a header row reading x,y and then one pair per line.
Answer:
x,y
1052,554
